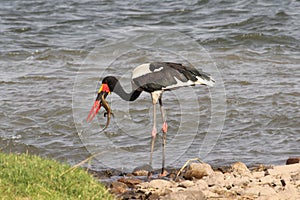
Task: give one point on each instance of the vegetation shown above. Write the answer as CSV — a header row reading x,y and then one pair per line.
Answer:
x,y
31,177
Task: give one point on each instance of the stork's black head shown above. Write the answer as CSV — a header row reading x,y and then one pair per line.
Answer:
x,y
110,81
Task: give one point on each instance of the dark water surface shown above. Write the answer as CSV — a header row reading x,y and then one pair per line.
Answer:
x,y
48,60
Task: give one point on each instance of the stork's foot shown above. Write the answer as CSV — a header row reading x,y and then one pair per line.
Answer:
x,y
165,173
165,127
149,176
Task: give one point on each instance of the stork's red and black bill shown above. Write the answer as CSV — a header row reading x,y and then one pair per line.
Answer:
x,y
100,101
95,109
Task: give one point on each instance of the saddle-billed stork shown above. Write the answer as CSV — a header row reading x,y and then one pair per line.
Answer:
x,y
154,78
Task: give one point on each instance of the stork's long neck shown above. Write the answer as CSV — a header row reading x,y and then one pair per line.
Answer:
x,y
133,95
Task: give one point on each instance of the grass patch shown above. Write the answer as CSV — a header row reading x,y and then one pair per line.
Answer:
x,y
32,177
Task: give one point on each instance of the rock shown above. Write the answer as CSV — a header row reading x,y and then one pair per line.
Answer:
x,y
216,179
296,177
143,185
293,160
201,185
131,194
285,169
198,170
157,186
261,191
223,193
160,184
173,176
182,195
259,168
186,184
130,182
153,196
142,170
140,173
242,181
258,174
211,195
118,187
289,192
240,168
266,180
224,169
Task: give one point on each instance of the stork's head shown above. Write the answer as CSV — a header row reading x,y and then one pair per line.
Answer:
x,y
107,86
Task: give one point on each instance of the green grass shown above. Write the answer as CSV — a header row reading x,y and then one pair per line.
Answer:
x,y
31,177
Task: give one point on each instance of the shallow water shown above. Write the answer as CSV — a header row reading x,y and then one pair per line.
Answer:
x,y
53,54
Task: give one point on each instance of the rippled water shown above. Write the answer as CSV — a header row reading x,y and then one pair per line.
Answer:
x,y
47,48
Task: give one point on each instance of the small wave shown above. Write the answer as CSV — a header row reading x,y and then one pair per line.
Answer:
x,y
38,77
281,14
265,38
20,30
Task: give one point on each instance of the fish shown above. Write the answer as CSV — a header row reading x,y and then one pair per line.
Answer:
x,y
108,112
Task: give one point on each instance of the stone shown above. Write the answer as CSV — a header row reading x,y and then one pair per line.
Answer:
x,y
211,195
285,169
258,174
296,177
186,184
293,160
198,170
130,182
261,191
142,170
240,168
140,173
160,184
216,179
260,168
224,192
266,180
290,192
153,196
242,181
185,195
200,185
157,186
118,187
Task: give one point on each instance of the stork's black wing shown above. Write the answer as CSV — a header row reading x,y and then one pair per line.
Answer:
x,y
167,76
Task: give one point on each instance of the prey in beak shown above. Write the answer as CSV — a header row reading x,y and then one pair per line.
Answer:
x,y
100,101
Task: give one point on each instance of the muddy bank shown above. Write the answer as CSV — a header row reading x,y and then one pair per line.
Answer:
x,y
201,181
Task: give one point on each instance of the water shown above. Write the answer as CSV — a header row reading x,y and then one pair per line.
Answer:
x,y
53,52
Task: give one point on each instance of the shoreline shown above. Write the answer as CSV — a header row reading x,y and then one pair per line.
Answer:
x,y
201,181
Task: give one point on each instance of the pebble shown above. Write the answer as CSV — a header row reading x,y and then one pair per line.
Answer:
x,y
185,195
198,170
240,168
186,184
118,187
142,170
293,160
130,182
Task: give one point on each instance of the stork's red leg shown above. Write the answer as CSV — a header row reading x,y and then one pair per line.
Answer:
x,y
163,154
163,116
164,137
154,132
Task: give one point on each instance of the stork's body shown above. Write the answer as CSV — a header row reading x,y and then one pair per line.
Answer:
x,y
154,78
